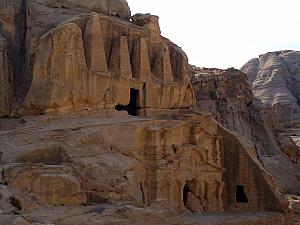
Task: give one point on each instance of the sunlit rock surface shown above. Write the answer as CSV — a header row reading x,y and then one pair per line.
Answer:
x,y
99,125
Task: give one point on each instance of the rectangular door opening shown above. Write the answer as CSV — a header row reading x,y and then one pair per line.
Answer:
x,y
133,106
241,196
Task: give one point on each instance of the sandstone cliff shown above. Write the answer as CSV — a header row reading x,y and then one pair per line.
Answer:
x,y
70,58
69,156
274,79
227,95
180,160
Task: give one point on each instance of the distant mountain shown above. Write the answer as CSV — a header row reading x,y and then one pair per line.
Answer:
x,y
275,79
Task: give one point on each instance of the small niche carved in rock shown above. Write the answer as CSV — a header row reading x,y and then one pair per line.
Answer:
x,y
241,196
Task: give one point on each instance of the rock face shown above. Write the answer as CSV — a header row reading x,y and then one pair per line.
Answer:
x,y
117,8
69,156
84,59
185,163
274,79
226,94
275,82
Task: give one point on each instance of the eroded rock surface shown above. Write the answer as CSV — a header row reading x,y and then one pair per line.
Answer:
x,y
69,156
185,164
275,82
85,59
227,95
274,78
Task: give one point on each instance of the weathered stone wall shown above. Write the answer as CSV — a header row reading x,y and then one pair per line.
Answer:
x,y
227,95
243,169
177,161
275,81
189,163
72,58
90,59
274,77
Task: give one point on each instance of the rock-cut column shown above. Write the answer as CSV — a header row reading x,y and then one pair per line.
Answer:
x,y
93,46
121,70
167,68
120,59
145,71
162,66
149,97
4,79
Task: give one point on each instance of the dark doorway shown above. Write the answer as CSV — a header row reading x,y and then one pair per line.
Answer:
x,y
241,196
186,191
133,106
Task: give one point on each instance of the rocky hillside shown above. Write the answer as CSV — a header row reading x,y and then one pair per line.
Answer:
x,y
99,125
274,78
275,82
227,95
95,49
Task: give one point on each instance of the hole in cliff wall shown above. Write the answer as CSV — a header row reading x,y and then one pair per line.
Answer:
x,y
15,202
133,106
191,199
186,191
241,196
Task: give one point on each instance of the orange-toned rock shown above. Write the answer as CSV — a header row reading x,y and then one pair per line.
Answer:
x,y
72,58
70,157
190,163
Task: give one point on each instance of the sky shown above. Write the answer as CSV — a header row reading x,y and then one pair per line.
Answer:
x,y
226,33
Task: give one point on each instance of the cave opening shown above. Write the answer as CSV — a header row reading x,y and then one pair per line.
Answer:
x,y
241,196
185,193
133,106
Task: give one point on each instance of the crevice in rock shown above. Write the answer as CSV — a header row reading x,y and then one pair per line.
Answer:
x,y
143,193
185,193
15,202
21,81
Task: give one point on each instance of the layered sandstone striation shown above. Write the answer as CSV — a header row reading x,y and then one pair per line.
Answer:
x,y
183,161
226,94
275,83
69,156
99,59
274,79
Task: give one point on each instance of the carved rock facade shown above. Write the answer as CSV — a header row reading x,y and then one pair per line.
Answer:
x,y
226,94
68,67
187,163
89,60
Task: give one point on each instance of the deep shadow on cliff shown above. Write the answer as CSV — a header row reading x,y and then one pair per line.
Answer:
x,y
99,125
